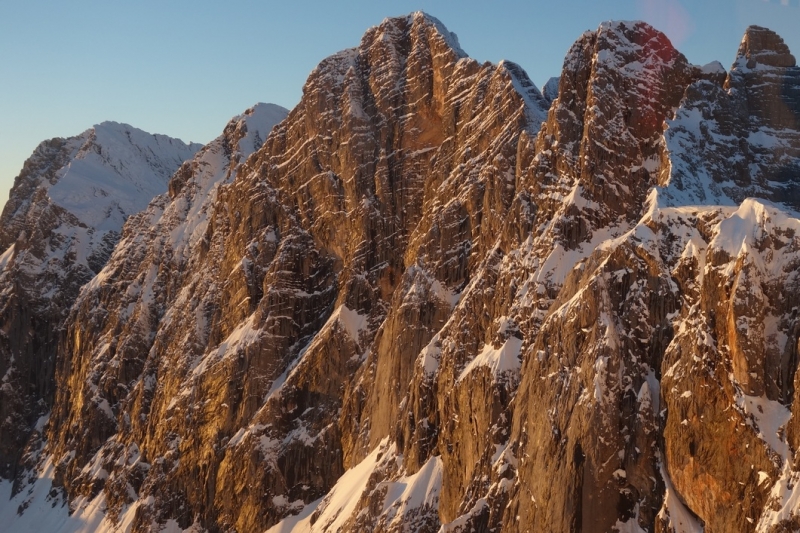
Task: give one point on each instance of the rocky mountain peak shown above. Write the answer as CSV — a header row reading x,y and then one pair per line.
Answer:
x,y
281,283
536,104
243,135
766,80
626,36
764,46
759,107
429,291
550,89
421,21
599,146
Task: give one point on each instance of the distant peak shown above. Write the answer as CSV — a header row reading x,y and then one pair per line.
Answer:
x,y
550,90
715,67
110,131
113,125
762,45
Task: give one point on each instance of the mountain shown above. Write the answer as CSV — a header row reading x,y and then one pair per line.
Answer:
x,y
63,218
434,298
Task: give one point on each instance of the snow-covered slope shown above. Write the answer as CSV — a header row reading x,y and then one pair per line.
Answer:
x,y
100,177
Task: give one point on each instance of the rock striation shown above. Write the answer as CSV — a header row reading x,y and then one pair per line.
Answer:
x,y
392,171
433,298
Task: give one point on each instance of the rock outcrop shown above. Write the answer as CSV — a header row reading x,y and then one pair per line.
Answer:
x,y
432,298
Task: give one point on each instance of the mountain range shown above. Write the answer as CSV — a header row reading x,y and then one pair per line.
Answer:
x,y
429,298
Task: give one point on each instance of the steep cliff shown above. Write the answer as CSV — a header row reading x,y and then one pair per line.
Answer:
x,y
436,299
396,170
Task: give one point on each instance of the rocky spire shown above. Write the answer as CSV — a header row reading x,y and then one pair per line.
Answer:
x,y
763,46
758,111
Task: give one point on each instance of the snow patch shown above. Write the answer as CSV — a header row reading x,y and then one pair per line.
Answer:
x,y
680,518
6,257
430,355
352,322
45,511
403,495
498,360
770,417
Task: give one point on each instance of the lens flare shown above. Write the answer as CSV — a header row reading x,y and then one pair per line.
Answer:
x,y
668,16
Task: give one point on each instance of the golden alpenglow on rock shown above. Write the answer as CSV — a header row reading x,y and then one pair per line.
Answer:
x,y
429,298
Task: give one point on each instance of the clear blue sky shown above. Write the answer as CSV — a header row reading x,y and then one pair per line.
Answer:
x,y
183,68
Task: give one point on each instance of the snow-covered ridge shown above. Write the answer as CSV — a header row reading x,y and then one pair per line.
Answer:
x,y
106,174
116,172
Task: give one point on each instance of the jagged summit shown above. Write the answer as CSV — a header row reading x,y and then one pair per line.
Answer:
x,y
739,139
386,37
764,46
766,72
625,37
243,135
536,103
628,28
434,299
420,17
598,151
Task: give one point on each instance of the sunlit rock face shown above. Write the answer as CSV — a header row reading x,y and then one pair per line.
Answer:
x,y
432,298
245,327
